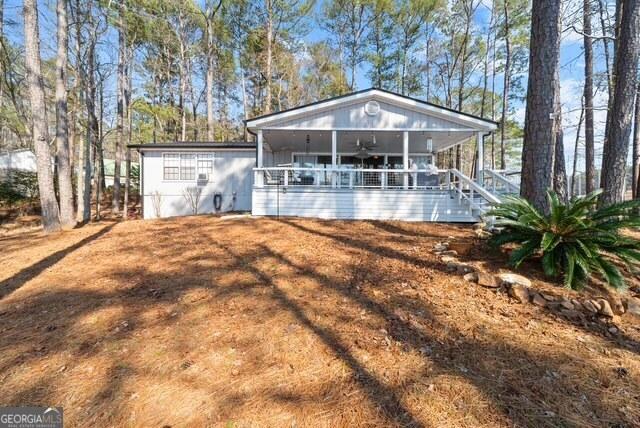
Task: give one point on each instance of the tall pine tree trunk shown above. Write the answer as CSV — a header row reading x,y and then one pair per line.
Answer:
x,y
559,168
541,121
589,142
182,79
210,130
1,86
614,159
39,125
83,167
636,147
506,84
605,44
92,121
122,47
127,130
268,72
574,174
67,215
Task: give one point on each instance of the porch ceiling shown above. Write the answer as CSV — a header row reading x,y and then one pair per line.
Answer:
x,y
386,141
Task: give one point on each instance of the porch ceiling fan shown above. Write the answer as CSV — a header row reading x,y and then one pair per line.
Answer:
x,y
363,148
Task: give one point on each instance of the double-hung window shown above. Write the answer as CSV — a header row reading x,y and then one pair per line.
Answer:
x,y
171,169
186,166
205,164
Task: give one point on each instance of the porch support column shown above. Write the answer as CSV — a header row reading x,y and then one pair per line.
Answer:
x,y
405,157
259,163
480,160
334,157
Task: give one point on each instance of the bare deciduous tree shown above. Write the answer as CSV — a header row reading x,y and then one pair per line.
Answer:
x,y
39,124
67,212
192,195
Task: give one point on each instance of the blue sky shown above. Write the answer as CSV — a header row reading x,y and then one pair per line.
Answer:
x,y
571,60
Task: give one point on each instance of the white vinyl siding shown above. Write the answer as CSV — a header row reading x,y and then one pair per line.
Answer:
x,y
230,176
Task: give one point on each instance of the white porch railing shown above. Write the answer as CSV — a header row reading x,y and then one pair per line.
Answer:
x,y
465,189
477,198
498,183
343,178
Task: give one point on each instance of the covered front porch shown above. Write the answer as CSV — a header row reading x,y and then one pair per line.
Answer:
x,y
368,155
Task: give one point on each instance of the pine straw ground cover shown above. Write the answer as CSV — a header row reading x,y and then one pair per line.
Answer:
x,y
204,321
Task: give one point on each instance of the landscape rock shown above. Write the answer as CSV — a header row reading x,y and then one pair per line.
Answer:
x,y
519,292
471,277
605,308
571,314
511,278
616,305
441,246
464,269
590,307
449,253
567,304
548,297
576,304
452,267
538,300
487,280
448,259
633,306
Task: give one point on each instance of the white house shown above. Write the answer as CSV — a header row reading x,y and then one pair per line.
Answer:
x,y
194,178
20,159
366,155
370,155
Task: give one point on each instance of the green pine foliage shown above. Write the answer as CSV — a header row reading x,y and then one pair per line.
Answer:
x,y
574,240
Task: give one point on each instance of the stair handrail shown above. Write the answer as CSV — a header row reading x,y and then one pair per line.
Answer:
x,y
510,185
473,187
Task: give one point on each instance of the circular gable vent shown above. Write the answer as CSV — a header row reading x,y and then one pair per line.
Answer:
x,y
372,108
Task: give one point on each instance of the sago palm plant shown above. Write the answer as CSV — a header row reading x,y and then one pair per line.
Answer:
x,y
574,240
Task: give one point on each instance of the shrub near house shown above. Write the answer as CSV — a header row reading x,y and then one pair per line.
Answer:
x,y
574,240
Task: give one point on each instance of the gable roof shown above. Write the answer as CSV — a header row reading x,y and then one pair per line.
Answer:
x,y
371,93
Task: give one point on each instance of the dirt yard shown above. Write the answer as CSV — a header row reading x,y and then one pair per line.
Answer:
x,y
243,322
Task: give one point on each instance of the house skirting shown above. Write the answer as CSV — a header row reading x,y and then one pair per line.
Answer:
x,y
361,204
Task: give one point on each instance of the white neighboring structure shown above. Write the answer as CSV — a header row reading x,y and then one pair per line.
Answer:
x,y
21,159
370,155
195,178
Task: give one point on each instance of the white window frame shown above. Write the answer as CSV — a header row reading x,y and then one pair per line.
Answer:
x,y
198,159
175,157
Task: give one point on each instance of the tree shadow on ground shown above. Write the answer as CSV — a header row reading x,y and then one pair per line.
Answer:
x,y
515,401
463,356
13,283
621,340
408,230
485,361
